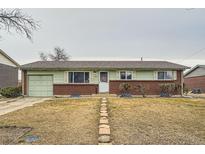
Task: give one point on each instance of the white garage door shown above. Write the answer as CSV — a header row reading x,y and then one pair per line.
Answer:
x,y
41,85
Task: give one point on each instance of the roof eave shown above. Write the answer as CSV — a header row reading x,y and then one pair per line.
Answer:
x,y
99,68
8,57
191,70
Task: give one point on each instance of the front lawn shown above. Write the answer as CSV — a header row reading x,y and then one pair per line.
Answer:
x,y
62,121
157,120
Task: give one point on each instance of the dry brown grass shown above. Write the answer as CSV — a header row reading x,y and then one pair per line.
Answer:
x,y
157,120
62,121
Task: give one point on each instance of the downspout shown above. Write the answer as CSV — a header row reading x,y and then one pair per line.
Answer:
x,y
22,82
182,81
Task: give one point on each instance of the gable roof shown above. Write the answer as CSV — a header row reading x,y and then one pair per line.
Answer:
x,y
63,65
9,58
192,69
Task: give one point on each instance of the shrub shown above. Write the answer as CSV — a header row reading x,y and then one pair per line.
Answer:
x,y
141,89
178,88
185,89
125,89
196,91
168,89
11,92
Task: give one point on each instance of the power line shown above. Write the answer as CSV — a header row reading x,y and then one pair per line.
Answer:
x,y
195,53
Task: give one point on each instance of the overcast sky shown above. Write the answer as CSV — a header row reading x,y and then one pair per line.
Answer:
x,y
105,34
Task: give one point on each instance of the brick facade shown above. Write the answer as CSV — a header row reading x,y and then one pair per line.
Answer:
x,y
195,82
151,87
70,89
24,82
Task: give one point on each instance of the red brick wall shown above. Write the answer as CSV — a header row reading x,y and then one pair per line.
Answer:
x,y
195,82
151,87
24,82
69,89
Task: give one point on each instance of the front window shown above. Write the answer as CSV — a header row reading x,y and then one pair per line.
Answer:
x,y
125,75
78,77
165,75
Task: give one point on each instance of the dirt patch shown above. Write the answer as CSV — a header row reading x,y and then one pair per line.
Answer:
x,y
157,121
61,121
11,134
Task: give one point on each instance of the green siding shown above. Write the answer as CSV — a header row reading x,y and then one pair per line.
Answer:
x,y
113,75
94,77
58,76
145,75
134,75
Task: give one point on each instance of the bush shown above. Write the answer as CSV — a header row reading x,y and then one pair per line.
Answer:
x,y
11,92
125,89
141,89
196,91
169,89
185,89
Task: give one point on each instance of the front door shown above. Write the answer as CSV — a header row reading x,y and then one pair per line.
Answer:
x,y
104,83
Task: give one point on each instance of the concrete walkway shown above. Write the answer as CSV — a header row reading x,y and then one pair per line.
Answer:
x,y
10,105
197,95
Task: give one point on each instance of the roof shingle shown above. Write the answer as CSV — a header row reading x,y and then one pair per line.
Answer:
x,y
63,65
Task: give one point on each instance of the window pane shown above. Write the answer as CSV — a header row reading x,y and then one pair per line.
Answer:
x,y
122,75
168,75
70,77
129,75
103,77
86,77
160,75
78,77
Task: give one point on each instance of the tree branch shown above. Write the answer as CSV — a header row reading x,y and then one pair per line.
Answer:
x,y
16,19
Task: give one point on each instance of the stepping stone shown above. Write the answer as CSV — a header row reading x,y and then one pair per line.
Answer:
x,y
104,143
103,120
104,114
103,109
104,131
104,101
104,126
104,105
104,139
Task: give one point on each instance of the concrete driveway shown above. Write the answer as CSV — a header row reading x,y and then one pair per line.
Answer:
x,y
10,105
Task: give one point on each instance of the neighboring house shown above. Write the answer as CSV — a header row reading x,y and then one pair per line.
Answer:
x,y
195,78
8,71
48,78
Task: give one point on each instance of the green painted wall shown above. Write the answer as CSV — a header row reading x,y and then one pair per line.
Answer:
x,y
113,75
60,77
136,75
94,77
144,75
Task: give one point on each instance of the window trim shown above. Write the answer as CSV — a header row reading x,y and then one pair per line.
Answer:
x,y
164,76
125,75
73,77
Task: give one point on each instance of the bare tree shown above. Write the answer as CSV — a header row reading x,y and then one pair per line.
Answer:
x,y
59,55
43,56
15,19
